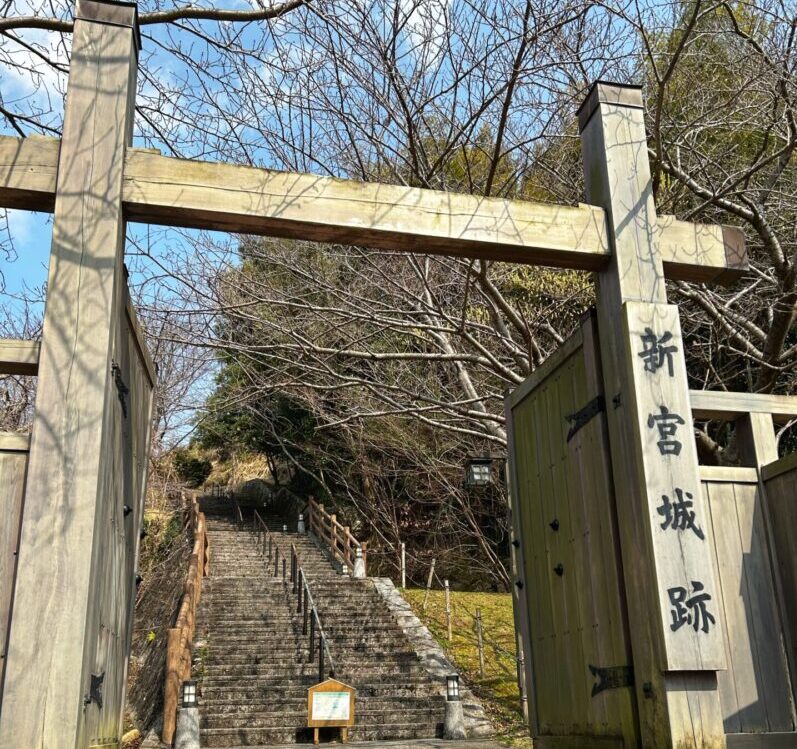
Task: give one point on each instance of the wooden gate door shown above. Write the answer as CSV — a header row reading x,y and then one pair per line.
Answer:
x,y
572,603
123,477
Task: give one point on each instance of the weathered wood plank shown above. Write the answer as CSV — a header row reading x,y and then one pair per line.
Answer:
x,y
14,442
699,252
59,578
621,712
18,357
785,464
746,586
28,168
138,339
762,612
225,197
713,404
579,742
13,467
716,532
205,195
728,474
761,740
781,505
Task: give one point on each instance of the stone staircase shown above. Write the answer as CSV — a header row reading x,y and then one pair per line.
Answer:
x,y
251,658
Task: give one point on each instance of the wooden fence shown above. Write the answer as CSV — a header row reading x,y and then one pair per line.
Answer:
x,y
337,537
181,636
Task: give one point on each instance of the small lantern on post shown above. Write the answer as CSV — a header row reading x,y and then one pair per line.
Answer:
x,y
452,687
186,735
189,694
479,471
454,722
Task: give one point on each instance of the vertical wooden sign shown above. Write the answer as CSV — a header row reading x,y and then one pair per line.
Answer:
x,y
677,516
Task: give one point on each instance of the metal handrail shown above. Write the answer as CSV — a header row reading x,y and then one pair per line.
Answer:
x,y
305,605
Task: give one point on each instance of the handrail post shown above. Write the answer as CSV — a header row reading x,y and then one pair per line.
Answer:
x,y
311,654
276,562
304,615
321,645
347,546
283,568
333,536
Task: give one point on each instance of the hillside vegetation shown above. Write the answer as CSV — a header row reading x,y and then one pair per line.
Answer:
x,y
498,690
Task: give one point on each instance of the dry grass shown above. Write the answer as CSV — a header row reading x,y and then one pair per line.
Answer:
x,y
240,468
498,690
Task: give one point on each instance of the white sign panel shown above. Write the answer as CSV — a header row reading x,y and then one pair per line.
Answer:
x,y
331,706
688,597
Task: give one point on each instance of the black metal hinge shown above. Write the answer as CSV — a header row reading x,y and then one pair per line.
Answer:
x,y
95,690
121,389
613,677
585,415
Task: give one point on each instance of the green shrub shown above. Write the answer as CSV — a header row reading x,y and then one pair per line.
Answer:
x,y
193,471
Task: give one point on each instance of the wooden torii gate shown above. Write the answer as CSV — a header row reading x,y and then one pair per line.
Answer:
x,y
93,180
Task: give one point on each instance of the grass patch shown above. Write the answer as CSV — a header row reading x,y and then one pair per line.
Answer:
x,y
498,690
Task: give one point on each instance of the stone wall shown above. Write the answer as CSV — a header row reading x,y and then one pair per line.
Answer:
x,y
432,656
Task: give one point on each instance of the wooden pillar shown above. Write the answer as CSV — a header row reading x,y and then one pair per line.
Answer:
x,y
755,434
54,633
674,619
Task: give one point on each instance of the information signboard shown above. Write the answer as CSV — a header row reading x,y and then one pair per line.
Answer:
x,y
330,704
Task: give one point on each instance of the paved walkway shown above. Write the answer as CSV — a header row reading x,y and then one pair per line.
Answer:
x,y
408,744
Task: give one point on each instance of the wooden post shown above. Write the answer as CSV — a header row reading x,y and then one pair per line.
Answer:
x,y
55,628
448,608
428,585
403,566
480,641
654,458
171,688
333,536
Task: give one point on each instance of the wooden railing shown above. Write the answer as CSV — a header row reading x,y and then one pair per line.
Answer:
x,y
336,536
181,636
292,571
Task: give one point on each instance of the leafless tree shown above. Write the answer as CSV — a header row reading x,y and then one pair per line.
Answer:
x,y
18,392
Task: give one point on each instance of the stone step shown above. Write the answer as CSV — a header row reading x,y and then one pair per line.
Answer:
x,y
376,652
280,703
230,699
364,714
255,673
287,667
217,686
249,737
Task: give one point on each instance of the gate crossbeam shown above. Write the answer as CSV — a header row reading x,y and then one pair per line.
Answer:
x,y
227,197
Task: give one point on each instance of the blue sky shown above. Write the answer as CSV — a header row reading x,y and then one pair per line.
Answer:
x,y
31,233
